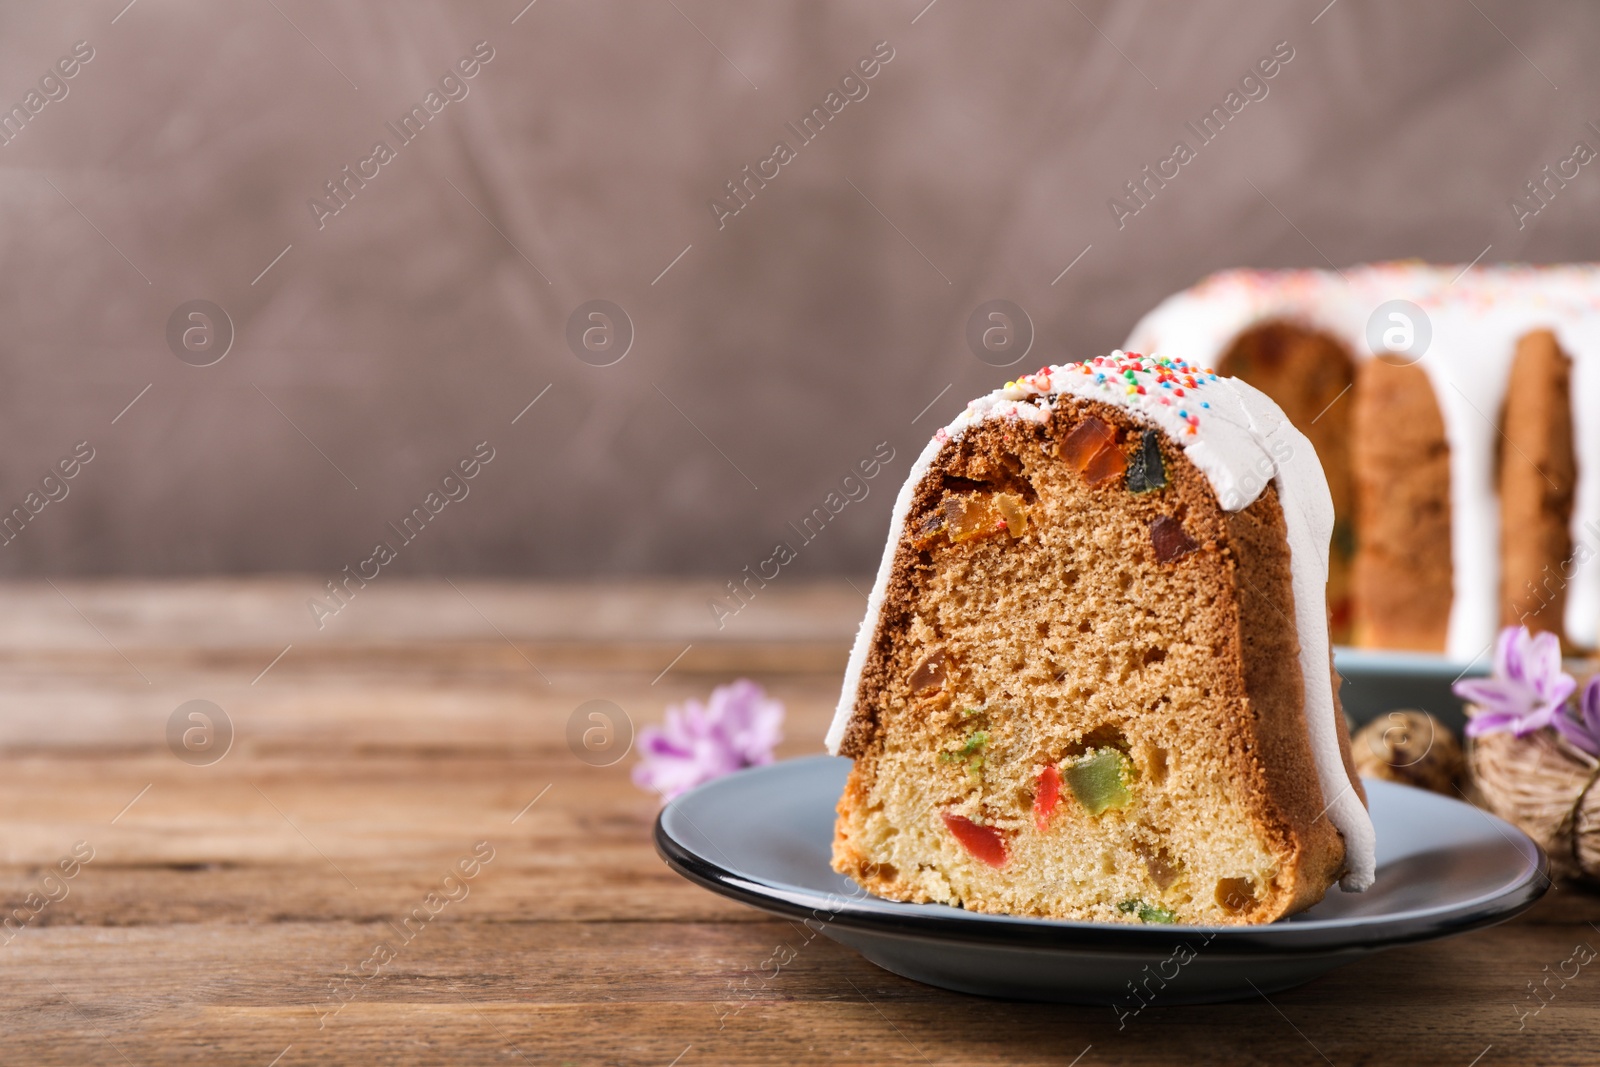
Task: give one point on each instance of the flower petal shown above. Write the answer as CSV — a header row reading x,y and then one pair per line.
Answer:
x,y
1543,666
1490,722
1497,694
1589,706
1536,720
1508,652
1578,734
737,727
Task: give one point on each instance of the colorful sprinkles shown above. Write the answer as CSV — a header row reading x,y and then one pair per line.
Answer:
x,y
1167,381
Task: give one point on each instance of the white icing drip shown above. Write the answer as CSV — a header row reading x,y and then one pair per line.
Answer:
x,y
880,588
1241,441
1477,316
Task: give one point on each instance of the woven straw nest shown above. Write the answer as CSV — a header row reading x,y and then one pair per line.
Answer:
x,y
1546,788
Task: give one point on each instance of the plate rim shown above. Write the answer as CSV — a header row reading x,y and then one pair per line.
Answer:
x,y
1314,937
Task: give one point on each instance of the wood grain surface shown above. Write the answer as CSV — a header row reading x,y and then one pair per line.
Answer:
x,y
230,912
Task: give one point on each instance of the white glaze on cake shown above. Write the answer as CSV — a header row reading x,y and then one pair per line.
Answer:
x,y
1240,440
1477,316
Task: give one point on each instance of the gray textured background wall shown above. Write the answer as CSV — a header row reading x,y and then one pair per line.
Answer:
x,y
771,355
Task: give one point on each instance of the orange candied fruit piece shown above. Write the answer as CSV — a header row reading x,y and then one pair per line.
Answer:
x,y
965,516
985,843
969,516
1085,441
1091,447
1109,463
928,531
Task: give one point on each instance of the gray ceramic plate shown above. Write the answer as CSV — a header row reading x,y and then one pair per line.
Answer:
x,y
763,836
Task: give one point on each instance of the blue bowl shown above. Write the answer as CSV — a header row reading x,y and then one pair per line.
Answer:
x,y
1374,683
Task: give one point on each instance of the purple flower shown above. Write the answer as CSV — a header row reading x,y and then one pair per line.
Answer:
x,y
1527,689
1583,730
737,728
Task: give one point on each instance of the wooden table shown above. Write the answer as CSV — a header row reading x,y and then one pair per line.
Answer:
x,y
230,912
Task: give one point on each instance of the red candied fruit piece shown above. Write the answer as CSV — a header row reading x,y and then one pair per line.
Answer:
x,y
1109,463
984,842
1170,539
1085,442
1046,796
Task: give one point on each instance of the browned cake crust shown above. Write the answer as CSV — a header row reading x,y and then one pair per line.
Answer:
x,y
1307,372
1538,478
1075,637
1401,462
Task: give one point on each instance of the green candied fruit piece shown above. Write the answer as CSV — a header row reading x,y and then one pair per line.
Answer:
x,y
1148,913
970,752
1099,779
972,746
1147,473
975,742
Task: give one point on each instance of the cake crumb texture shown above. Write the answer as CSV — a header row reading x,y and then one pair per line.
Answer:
x,y
1538,478
1403,565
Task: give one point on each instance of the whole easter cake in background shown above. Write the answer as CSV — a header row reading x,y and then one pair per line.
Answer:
x,y
1094,677
1463,461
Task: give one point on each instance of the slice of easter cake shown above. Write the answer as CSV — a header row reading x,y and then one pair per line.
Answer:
x,y
1094,678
